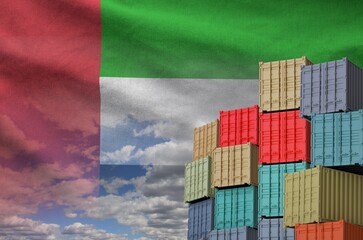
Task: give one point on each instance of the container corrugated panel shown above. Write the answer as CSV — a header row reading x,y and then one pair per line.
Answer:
x,y
323,195
235,165
339,230
197,183
279,84
284,138
331,87
206,139
239,126
244,233
200,219
337,139
235,208
273,229
271,187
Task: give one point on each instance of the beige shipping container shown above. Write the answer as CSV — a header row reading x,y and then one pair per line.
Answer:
x,y
206,139
323,195
279,84
235,165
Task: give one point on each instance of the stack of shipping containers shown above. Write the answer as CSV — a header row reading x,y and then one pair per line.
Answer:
x,y
284,141
325,202
235,177
290,168
197,183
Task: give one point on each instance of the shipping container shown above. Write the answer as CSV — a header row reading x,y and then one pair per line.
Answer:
x,y
339,230
284,138
235,165
337,139
273,229
271,187
323,195
206,139
331,87
279,84
238,126
244,233
200,219
197,181
235,208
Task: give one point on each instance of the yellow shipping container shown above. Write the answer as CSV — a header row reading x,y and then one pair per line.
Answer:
x,y
235,165
323,195
205,140
280,84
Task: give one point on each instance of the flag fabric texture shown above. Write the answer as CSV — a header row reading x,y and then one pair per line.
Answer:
x,y
55,54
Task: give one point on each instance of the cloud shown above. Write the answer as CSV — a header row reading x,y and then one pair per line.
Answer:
x,y
24,191
13,140
70,214
155,208
112,186
119,156
15,228
167,153
80,231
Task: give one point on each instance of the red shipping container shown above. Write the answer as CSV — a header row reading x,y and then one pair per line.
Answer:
x,y
238,126
340,230
284,138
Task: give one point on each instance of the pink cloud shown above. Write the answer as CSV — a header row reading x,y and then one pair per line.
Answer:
x,y
13,140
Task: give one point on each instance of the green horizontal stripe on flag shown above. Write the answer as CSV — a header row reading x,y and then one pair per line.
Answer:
x,y
224,39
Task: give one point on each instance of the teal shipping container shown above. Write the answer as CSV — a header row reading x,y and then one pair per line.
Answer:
x,y
235,208
337,139
271,187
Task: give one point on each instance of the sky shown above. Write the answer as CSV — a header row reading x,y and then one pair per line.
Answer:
x,y
146,139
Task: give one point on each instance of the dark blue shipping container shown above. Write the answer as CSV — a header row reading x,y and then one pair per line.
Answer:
x,y
200,219
331,87
244,233
273,229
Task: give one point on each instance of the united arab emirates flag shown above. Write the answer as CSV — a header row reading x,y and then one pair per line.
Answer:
x,y
60,59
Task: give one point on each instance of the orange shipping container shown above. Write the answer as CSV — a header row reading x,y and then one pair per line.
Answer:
x,y
206,139
340,230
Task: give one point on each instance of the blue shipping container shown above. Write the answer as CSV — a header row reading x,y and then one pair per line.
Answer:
x,y
245,233
337,139
331,87
235,208
273,229
200,219
271,187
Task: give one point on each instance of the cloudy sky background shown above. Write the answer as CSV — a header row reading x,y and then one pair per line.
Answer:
x,y
151,121
146,138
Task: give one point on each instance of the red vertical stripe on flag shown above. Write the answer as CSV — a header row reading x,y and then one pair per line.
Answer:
x,y
49,100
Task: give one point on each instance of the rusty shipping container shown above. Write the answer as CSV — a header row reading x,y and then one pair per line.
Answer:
x,y
284,138
238,126
235,165
323,195
206,139
279,84
331,87
339,230
197,181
